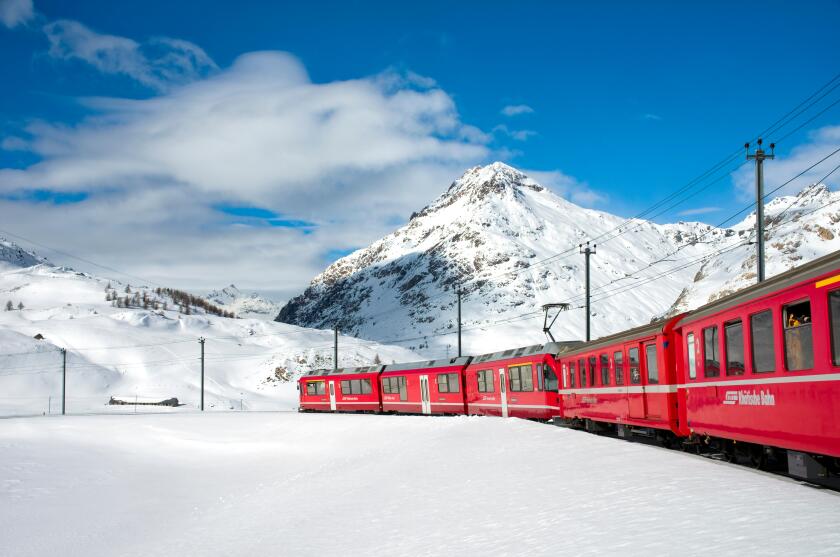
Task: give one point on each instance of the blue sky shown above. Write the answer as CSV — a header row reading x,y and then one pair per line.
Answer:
x,y
618,103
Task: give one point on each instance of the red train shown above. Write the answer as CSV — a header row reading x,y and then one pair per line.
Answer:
x,y
754,376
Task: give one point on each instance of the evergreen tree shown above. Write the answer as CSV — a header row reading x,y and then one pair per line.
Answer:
x,y
128,289
20,306
9,306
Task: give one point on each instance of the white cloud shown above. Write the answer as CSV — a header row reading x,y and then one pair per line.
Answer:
x,y
698,211
158,63
568,186
821,143
516,109
353,157
16,12
650,116
518,135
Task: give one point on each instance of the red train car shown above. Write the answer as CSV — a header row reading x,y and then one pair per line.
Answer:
x,y
430,387
762,367
625,381
354,389
520,382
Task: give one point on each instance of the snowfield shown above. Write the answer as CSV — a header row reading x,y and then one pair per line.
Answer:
x,y
136,353
291,484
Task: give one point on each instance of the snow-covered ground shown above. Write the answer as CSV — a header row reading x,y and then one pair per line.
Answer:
x,y
145,353
290,484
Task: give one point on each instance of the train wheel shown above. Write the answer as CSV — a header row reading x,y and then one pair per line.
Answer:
x,y
756,457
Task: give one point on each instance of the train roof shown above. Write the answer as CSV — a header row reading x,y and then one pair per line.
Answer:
x,y
553,348
344,371
647,330
811,270
445,362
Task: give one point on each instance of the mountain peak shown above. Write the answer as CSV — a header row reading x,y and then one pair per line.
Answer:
x,y
481,183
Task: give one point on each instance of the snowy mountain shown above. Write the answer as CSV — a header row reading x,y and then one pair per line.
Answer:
x,y
117,348
511,245
253,305
13,255
798,229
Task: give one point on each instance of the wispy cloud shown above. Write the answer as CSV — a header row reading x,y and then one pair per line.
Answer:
x,y
516,109
159,63
698,211
306,168
820,143
571,188
518,135
651,116
16,12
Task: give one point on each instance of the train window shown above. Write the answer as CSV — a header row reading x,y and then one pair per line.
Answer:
x,y
652,363
605,370
572,375
633,358
485,381
448,383
320,388
734,336
356,387
763,347
834,314
539,377
618,358
799,344
692,356
521,379
564,372
311,388
549,379
582,372
593,363
711,355
401,386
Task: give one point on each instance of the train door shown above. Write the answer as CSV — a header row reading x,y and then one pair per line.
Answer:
x,y
651,379
503,392
332,395
636,389
425,399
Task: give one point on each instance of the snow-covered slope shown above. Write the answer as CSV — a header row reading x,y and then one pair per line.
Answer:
x,y
798,228
12,255
131,351
511,246
253,305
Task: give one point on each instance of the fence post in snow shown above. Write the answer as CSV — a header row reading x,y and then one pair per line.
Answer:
x,y
201,342
63,380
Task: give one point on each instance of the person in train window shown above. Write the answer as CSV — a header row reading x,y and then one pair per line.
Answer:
x,y
793,321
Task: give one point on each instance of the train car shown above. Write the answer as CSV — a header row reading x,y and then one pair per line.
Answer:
x,y
761,368
351,389
520,382
313,392
625,382
429,387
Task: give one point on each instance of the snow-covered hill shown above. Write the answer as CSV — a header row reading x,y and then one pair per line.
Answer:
x,y
12,255
512,246
798,228
253,305
131,351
